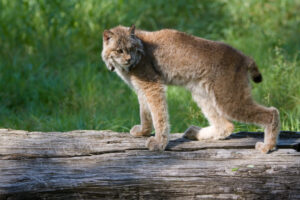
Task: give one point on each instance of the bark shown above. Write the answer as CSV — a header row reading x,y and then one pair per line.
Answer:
x,y
108,165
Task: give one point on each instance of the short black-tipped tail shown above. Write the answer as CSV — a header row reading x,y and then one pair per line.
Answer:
x,y
257,79
253,70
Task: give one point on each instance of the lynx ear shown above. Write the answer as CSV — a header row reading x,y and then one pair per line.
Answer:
x,y
132,29
107,34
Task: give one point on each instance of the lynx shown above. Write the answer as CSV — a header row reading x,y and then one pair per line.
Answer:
x,y
216,74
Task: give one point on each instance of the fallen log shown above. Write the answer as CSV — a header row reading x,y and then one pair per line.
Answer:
x,y
87,164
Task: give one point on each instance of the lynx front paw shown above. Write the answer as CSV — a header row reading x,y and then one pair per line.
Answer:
x,y
137,131
153,145
262,147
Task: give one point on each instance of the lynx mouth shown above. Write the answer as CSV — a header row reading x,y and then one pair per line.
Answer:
x,y
112,68
129,66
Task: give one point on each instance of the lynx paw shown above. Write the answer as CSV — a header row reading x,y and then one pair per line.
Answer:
x,y
192,132
137,131
153,145
262,147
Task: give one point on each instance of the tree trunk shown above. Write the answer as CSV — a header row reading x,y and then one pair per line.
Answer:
x,y
108,165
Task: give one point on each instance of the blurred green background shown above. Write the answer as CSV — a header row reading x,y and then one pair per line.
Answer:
x,y
52,77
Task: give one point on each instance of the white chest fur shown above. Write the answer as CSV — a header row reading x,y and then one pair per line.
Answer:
x,y
124,76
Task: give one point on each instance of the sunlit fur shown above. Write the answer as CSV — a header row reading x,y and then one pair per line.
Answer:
x,y
216,74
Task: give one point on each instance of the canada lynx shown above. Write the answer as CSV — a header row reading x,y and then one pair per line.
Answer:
x,y
215,73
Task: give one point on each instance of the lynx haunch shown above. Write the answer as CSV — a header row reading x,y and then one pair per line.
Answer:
x,y
215,73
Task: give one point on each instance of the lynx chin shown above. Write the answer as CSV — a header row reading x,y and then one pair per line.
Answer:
x,y
216,74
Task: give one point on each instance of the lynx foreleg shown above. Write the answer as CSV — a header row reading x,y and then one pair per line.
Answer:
x,y
155,96
145,128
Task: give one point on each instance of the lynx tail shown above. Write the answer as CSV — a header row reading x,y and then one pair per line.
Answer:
x,y
254,72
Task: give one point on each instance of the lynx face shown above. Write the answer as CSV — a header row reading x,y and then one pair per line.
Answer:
x,y
121,49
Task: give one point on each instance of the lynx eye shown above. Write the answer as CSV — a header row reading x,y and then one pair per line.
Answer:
x,y
120,51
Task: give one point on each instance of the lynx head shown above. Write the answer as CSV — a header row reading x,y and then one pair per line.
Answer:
x,y
122,49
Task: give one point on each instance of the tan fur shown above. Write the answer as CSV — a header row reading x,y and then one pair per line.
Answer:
x,y
215,73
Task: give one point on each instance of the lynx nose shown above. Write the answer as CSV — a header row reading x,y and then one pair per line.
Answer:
x,y
128,58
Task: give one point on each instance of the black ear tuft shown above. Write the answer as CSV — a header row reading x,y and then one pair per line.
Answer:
x,y
107,34
132,29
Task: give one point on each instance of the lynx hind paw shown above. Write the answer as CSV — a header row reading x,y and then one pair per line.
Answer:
x,y
137,131
263,148
192,132
153,145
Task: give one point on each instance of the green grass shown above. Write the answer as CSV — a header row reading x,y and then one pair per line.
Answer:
x,y
52,77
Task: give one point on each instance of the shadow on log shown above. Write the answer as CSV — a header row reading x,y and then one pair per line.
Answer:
x,y
109,165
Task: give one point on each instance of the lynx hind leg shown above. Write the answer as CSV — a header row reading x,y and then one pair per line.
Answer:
x,y
139,131
219,128
253,113
192,132
271,132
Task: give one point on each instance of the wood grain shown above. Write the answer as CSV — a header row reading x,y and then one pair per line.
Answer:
x,y
108,165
